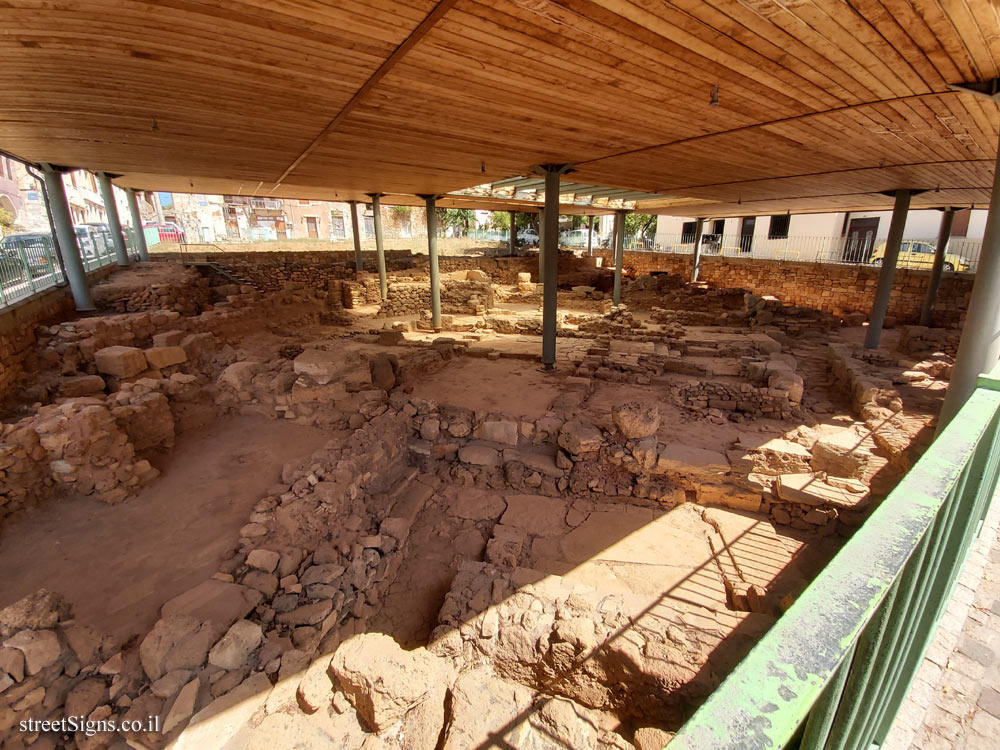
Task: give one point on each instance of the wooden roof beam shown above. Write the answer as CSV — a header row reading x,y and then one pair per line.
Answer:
x,y
415,36
987,89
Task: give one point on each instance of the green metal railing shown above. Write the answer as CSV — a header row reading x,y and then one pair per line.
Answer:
x,y
835,668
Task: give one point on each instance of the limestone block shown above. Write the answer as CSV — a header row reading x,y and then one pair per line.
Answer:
x,y
165,356
121,361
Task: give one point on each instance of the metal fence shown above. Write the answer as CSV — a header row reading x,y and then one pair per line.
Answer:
x,y
29,263
962,255
835,668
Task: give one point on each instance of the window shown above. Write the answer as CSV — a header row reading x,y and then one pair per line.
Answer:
x,y
337,229
688,230
719,227
778,229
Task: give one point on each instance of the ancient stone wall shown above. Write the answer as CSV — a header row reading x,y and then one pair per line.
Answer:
x,y
457,297
270,271
17,329
825,286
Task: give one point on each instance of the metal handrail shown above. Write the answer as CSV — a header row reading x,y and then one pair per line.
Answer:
x,y
835,668
185,245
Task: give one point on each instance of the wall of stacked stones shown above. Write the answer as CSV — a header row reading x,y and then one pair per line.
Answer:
x,y
824,286
17,329
270,271
413,298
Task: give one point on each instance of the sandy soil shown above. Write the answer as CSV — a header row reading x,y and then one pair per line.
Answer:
x,y
508,386
116,564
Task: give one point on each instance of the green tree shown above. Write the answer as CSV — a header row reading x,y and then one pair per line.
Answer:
x,y
6,221
459,218
640,225
501,220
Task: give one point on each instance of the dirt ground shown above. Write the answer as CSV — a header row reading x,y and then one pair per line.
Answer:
x,y
511,386
116,564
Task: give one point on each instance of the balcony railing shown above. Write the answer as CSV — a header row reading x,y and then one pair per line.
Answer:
x,y
835,668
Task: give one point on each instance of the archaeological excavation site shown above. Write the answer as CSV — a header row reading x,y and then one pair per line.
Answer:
x,y
248,498
499,375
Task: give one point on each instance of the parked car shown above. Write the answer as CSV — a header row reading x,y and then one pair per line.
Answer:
x,y
575,238
527,237
94,240
920,255
168,232
37,251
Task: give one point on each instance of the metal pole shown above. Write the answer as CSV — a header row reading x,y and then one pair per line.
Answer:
x,y
513,232
699,228
77,277
432,252
590,236
140,234
383,283
944,237
52,227
619,255
979,348
884,289
111,209
551,258
356,231
541,247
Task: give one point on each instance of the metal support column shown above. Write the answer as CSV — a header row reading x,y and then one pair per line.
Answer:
x,y
541,247
111,210
619,255
67,238
979,348
944,237
590,236
883,291
550,242
383,283
699,231
359,264
140,235
432,253
513,231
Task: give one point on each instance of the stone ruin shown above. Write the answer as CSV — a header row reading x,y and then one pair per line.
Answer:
x,y
593,572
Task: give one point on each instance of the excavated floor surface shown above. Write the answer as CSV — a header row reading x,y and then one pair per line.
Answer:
x,y
116,564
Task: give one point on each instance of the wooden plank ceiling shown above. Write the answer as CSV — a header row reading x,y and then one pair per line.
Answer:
x,y
822,104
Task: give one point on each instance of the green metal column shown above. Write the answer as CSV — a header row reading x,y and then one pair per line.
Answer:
x,y
699,229
550,242
111,209
383,282
432,252
359,264
619,255
137,230
590,236
513,231
883,291
944,236
59,207
541,247
979,347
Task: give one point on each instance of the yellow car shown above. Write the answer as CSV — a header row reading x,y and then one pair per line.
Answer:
x,y
920,255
